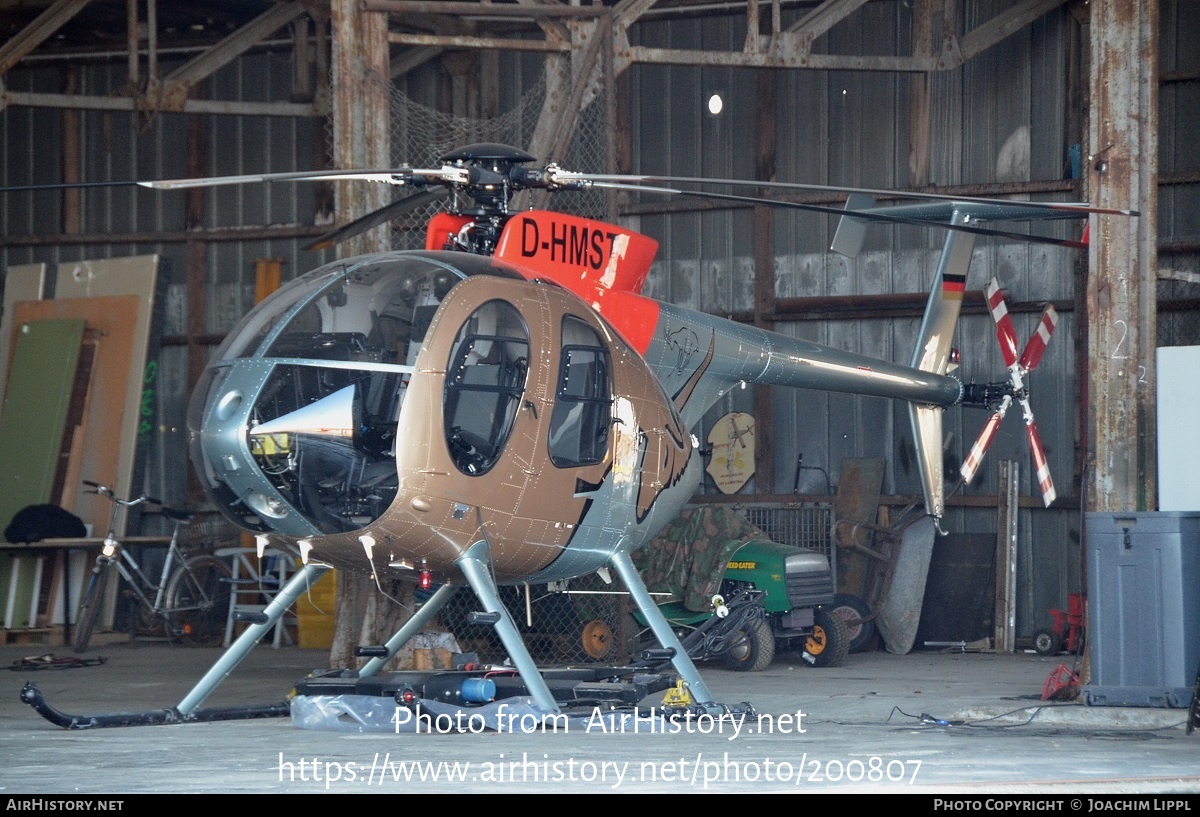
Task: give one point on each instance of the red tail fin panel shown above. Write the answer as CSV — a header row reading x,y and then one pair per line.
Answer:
x,y
578,253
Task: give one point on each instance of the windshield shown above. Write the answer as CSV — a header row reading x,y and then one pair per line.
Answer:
x,y
310,386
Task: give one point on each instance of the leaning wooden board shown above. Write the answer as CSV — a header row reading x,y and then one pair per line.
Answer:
x,y
22,282
136,276
32,424
97,453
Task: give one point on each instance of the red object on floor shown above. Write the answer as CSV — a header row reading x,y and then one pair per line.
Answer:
x,y
1063,684
1069,626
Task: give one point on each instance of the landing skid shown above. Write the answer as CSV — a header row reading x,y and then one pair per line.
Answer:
x,y
475,567
188,710
33,696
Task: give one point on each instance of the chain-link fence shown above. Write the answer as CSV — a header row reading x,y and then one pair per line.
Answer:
x,y
1179,309
421,135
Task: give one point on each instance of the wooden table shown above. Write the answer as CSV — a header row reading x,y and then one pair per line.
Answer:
x,y
65,547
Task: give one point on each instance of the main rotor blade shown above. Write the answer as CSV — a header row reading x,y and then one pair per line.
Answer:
x,y
1062,209
395,176
376,217
1005,333
837,211
1036,347
392,176
25,188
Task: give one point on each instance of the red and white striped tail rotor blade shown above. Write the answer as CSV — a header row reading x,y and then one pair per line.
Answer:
x,y
1036,346
1005,333
1041,466
970,466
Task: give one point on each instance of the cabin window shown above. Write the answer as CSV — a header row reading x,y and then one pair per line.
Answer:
x,y
581,419
484,383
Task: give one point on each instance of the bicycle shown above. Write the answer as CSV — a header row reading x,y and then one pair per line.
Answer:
x,y
190,599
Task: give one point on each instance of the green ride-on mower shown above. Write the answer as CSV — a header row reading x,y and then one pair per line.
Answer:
x,y
737,596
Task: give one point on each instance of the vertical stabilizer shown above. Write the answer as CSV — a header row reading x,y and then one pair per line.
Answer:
x,y
933,355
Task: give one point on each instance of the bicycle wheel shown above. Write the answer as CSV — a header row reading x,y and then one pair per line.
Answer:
x,y
90,603
198,601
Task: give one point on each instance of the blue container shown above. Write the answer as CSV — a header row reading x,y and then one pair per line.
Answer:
x,y
1143,579
478,690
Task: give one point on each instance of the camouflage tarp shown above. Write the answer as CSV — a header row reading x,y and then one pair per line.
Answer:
x,y
687,559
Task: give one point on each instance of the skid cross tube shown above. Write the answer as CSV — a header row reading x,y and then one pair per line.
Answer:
x,y
239,649
419,619
661,628
475,566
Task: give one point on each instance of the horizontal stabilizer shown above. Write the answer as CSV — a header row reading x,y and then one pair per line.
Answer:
x,y
851,231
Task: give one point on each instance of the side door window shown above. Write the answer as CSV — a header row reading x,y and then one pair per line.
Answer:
x,y
582,416
484,383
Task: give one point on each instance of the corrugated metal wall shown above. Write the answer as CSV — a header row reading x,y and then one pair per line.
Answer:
x,y
1179,162
852,128
159,148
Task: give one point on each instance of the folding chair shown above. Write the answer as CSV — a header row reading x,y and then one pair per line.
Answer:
x,y
253,584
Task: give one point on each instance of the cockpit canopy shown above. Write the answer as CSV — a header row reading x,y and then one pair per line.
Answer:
x,y
299,408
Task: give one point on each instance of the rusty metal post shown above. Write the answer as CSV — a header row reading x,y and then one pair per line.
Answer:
x,y
920,92
1122,172
361,115
361,138
764,278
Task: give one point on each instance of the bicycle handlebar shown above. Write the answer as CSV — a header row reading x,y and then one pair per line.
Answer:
x,y
105,491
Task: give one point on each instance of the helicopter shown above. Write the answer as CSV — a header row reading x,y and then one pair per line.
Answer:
x,y
505,407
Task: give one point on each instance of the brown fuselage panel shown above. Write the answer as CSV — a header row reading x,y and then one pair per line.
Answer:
x,y
526,508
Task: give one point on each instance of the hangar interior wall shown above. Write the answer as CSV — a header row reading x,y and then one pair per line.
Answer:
x,y
1006,116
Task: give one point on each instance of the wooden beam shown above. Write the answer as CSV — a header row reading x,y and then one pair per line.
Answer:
x,y
179,83
825,16
764,275
460,8
37,32
361,116
361,138
125,103
786,51
196,272
1005,619
72,153
920,92
1004,25
444,41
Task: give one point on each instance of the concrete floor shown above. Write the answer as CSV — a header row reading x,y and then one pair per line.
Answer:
x,y
860,730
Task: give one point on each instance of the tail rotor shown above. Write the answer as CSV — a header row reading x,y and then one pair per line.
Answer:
x,y
1015,389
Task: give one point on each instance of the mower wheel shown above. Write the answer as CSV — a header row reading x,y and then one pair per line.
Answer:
x,y
597,639
751,649
855,613
829,643
1046,642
